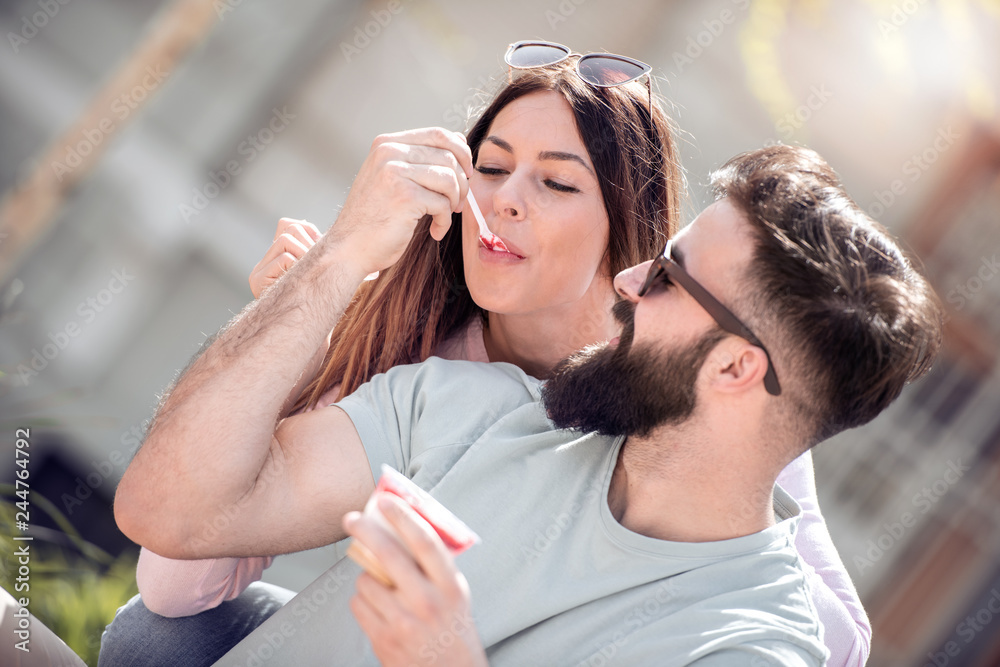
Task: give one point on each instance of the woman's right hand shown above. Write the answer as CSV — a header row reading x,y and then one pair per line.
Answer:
x,y
406,176
292,240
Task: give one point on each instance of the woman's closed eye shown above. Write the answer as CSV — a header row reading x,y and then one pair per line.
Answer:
x,y
559,187
551,184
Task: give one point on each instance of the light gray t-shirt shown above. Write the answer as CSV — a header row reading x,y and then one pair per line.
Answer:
x,y
556,580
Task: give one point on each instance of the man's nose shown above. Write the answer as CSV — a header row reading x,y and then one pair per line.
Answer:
x,y
629,282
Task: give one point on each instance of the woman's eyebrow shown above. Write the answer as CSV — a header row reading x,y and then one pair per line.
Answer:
x,y
542,155
499,143
560,155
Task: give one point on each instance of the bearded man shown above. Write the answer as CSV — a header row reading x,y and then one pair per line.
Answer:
x,y
627,506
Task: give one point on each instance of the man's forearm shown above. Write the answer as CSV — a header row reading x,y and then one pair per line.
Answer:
x,y
212,434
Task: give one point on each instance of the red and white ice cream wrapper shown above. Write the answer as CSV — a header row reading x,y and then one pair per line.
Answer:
x,y
453,532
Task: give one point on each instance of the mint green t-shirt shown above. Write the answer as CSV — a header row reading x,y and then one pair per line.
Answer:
x,y
556,580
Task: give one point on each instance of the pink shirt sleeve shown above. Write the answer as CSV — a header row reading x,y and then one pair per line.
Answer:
x,y
847,632
186,587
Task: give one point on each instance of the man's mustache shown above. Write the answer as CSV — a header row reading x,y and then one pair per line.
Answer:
x,y
624,313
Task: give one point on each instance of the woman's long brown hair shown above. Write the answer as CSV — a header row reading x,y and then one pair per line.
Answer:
x,y
422,300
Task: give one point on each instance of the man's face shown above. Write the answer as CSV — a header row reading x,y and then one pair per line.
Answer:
x,y
626,389
650,377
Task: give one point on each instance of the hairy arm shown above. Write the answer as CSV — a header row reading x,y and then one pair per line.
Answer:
x,y
218,475
215,447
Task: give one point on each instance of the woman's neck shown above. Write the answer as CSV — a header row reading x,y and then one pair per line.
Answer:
x,y
537,341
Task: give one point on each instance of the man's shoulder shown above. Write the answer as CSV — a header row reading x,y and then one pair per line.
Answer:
x,y
446,395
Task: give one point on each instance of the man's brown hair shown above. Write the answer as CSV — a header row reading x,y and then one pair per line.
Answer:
x,y
830,292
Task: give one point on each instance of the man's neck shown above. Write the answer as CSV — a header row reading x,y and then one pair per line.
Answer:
x,y
678,487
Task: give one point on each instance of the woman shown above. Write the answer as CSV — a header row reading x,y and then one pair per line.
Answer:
x,y
580,182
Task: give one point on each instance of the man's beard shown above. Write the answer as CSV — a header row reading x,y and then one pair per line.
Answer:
x,y
628,389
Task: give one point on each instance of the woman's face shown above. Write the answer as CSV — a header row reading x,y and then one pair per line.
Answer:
x,y
538,192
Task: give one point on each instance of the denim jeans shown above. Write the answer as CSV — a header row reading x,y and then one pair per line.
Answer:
x,y
137,636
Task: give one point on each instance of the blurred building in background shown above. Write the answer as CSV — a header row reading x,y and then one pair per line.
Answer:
x,y
148,149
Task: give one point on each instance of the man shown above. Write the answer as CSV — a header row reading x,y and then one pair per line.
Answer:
x,y
627,506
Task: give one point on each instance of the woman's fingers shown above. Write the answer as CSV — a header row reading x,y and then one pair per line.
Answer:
x,y
302,229
292,243
294,237
292,240
264,275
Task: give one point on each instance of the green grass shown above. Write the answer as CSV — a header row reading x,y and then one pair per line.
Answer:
x,y
75,588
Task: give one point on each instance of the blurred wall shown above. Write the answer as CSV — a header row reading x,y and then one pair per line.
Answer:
x,y
273,110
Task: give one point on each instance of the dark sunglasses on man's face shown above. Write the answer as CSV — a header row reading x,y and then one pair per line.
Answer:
x,y
664,267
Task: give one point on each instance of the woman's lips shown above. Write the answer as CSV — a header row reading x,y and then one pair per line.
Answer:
x,y
497,246
493,242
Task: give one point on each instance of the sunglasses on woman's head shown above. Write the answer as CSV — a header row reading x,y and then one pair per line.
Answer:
x,y
604,70
665,268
